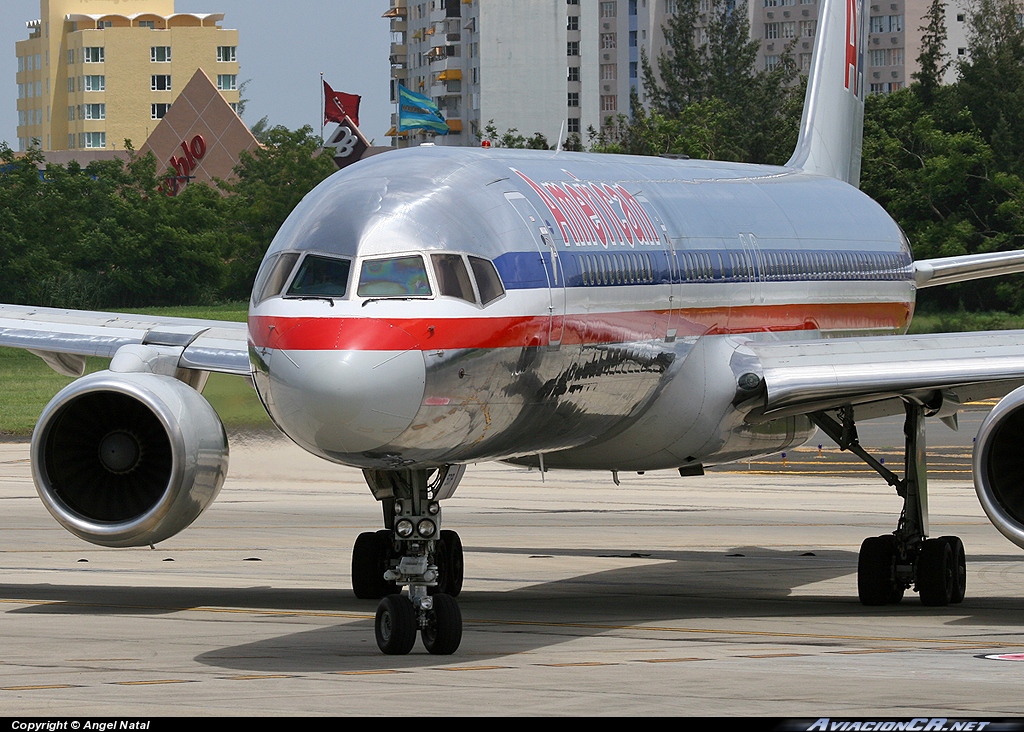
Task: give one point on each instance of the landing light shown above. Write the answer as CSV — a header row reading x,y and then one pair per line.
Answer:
x,y
426,528
404,528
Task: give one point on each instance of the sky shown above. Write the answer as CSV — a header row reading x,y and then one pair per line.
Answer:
x,y
282,49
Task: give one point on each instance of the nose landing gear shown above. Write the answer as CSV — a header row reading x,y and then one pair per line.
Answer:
x,y
412,552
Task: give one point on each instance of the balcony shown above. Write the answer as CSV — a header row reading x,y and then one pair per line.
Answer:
x,y
398,9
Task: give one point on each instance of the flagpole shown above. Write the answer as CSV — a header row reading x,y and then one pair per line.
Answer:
x,y
322,110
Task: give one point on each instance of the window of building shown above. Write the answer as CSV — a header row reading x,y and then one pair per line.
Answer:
x,y
94,83
574,73
573,23
160,82
671,7
609,72
574,125
574,99
151,24
788,29
632,39
94,54
158,111
71,87
572,2
105,24
878,24
771,62
160,54
607,40
608,9
226,54
895,23
94,111
71,57
896,57
92,139
808,28
227,82
961,51
71,142
609,102
572,48
71,113
771,30
805,62
633,68
878,57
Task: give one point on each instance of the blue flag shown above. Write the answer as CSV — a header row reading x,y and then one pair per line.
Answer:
x,y
417,112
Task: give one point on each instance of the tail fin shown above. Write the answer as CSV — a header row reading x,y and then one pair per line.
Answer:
x,y
832,127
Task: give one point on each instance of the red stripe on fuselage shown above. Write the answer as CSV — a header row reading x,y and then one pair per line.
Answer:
x,y
400,334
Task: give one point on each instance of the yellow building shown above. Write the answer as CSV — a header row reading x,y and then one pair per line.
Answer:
x,y
94,73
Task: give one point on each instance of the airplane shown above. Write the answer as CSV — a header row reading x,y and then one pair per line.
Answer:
x,y
435,307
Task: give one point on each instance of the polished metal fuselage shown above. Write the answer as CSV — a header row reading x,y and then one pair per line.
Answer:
x,y
632,288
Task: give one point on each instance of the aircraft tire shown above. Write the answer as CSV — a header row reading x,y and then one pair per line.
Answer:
x,y
956,546
369,563
395,625
936,573
875,584
442,634
451,564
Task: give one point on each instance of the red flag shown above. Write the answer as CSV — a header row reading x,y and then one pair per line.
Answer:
x,y
338,105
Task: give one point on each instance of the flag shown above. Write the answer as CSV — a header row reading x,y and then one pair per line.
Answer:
x,y
417,112
339,105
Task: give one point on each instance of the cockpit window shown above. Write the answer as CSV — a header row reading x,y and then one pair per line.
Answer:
x,y
395,277
453,277
487,280
275,274
321,277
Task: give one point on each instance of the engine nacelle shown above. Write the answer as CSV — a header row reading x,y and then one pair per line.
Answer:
x,y
128,459
999,466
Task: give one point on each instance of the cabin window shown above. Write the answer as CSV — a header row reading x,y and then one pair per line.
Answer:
x,y
394,277
273,276
321,277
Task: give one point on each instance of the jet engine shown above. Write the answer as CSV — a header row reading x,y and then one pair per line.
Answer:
x,y
999,465
128,459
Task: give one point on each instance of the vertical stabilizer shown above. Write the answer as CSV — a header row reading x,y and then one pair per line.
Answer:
x,y
832,127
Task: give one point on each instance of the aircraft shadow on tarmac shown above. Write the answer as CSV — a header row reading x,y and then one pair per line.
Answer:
x,y
681,586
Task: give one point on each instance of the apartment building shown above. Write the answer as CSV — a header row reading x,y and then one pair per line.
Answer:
x,y
533,65
563,66
94,73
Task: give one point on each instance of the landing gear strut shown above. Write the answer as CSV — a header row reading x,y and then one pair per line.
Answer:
x,y
412,552
890,564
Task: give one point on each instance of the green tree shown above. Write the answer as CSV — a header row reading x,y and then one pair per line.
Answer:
x,y
736,111
992,79
269,183
942,185
933,60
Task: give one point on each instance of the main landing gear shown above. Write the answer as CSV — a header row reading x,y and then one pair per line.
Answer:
x,y
412,551
890,564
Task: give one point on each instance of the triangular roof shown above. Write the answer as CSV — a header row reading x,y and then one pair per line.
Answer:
x,y
201,110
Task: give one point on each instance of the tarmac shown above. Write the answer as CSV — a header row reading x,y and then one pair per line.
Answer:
x,y
734,593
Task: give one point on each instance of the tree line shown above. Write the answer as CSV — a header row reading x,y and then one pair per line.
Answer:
x,y
106,236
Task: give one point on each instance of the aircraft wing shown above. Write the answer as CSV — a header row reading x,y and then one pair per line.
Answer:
x,y
63,338
810,376
947,270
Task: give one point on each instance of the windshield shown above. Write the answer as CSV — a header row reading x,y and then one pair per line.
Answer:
x,y
395,277
321,277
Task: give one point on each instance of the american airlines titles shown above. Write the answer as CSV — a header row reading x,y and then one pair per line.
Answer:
x,y
592,214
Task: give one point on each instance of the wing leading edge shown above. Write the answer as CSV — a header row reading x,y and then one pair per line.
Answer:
x,y
810,376
63,338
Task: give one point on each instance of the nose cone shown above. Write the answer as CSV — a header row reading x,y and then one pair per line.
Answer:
x,y
346,402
